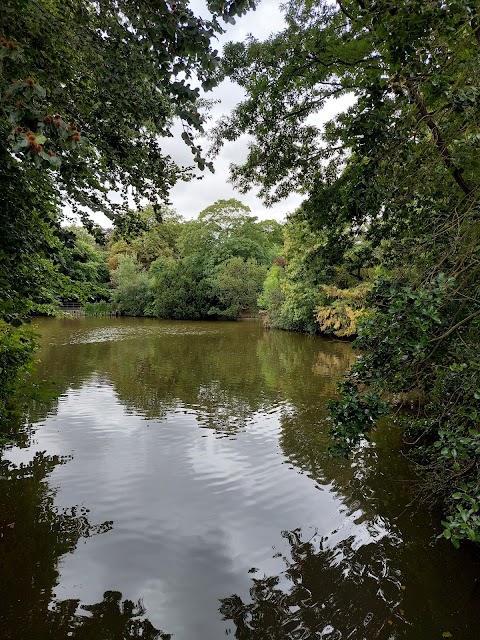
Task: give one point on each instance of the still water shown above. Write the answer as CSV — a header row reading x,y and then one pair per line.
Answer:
x,y
177,487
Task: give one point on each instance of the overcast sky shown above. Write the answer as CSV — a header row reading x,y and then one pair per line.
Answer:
x,y
189,198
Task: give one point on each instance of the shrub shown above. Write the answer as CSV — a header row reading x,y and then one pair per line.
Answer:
x,y
342,310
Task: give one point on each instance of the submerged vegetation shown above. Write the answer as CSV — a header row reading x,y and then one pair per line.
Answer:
x,y
385,246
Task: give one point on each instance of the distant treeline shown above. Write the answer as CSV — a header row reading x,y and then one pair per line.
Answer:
x,y
219,265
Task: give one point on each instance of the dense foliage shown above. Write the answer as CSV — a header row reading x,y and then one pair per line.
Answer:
x,y
209,267
399,171
309,289
95,104
16,348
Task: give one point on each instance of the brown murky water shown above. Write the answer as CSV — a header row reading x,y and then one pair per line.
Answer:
x,y
178,488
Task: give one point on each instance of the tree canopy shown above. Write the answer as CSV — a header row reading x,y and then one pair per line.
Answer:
x,y
210,267
95,105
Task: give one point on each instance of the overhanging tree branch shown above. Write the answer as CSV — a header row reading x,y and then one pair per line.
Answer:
x,y
438,138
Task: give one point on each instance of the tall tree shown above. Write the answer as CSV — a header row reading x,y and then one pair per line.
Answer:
x,y
220,266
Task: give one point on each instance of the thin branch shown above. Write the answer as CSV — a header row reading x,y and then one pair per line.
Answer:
x,y
476,29
438,138
344,11
456,326
336,61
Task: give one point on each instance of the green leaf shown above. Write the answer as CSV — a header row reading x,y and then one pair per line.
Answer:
x,y
40,91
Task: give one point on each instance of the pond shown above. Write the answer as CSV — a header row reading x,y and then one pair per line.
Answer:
x,y
176,486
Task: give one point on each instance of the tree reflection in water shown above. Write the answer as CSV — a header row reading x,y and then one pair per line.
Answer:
x,y
110,619
34,535
324,592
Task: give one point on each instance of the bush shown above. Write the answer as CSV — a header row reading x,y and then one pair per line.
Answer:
x,y
423,341
236,284
182,291
341,310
